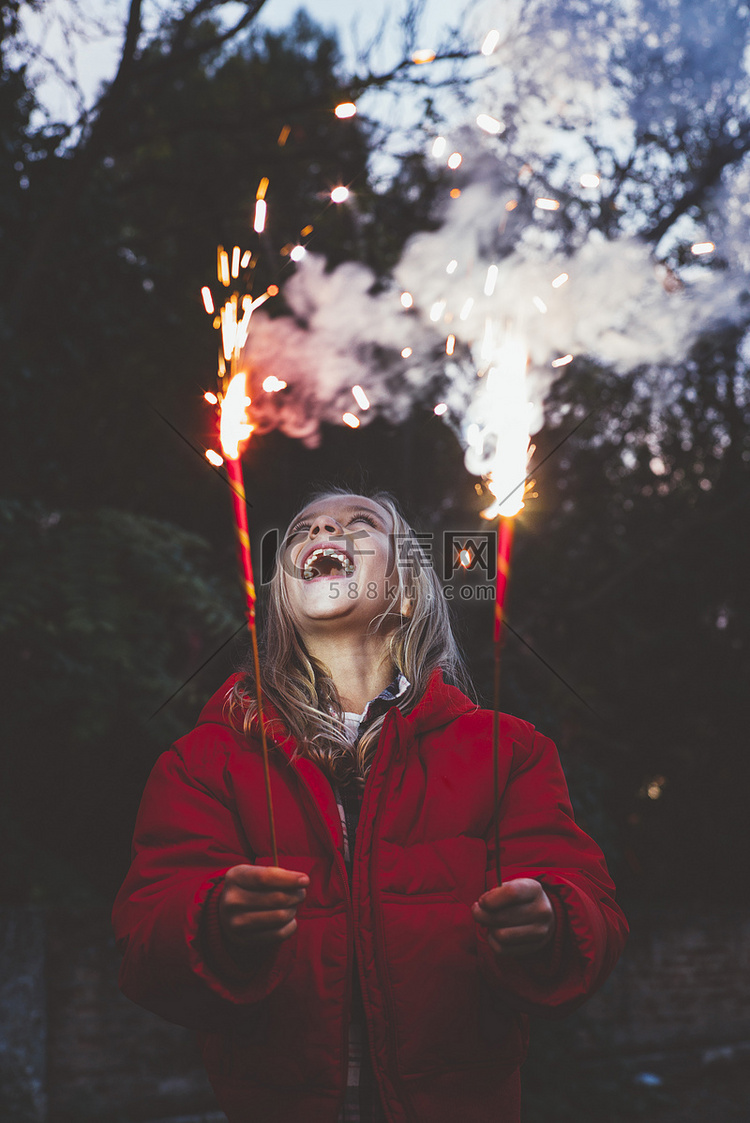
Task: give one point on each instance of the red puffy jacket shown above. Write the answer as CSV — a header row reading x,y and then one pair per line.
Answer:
x,y
445,1015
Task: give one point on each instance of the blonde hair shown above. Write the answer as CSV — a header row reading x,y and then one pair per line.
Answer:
x,y
301,688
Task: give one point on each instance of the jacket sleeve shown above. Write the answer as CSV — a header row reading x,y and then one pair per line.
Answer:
x,y
539,839
165,916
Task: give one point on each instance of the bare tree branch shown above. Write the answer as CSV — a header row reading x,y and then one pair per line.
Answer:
x,y
710,173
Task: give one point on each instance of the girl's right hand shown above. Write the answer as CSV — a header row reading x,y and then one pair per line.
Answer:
x,y
258,904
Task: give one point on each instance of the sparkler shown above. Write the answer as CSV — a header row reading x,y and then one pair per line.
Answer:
x,y
234,431
500,452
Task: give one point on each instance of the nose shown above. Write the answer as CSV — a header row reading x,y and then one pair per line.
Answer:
x,y
325,524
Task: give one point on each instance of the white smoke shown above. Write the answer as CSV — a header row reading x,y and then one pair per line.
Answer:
x,y
617,305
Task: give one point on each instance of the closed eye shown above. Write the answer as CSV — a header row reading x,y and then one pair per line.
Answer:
x,y
362,517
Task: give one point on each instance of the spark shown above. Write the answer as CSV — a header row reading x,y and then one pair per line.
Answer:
x,y
560,280
345,109
297,253
223,266
229,328
425,55
262,188
259,222
284,135
351,420
702,247
590,180
246,259
562,361
306,231
211,398
455,193
466,310
490,280
437,310
360,397
214,458
406,353
208,300
491,40
272,290
465,558
505,400
511,205
236,261
272,384
539,304
454,160
440,409
489,124
339,194
234,426
407,299
451,266
438,146
547,204
450,344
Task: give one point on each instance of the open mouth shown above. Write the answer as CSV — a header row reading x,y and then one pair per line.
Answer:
x,y
326,561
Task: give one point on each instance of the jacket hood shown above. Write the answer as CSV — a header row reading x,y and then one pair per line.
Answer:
x,y
439,705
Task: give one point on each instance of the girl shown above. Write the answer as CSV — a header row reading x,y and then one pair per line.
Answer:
x,y
379,973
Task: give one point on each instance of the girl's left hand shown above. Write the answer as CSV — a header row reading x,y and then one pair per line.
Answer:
x,y
519,916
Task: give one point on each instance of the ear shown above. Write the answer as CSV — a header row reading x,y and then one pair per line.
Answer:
x,y
407,608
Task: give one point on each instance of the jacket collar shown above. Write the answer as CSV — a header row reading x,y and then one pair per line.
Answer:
x,y
439,705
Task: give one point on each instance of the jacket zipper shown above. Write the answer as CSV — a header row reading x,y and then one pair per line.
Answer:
x,y
377,934
344,1054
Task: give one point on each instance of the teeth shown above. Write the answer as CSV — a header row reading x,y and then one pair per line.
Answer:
x,y
308,571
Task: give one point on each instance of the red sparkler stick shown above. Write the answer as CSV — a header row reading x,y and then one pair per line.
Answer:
x,y
504,545
239,504
234,428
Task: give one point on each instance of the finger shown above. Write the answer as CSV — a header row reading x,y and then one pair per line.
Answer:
x,y
248,900
268,936
518,941
266,877
512,916
522,890
516,950
248,923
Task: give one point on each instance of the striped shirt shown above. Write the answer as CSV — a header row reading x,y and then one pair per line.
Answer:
x,y
362,1100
